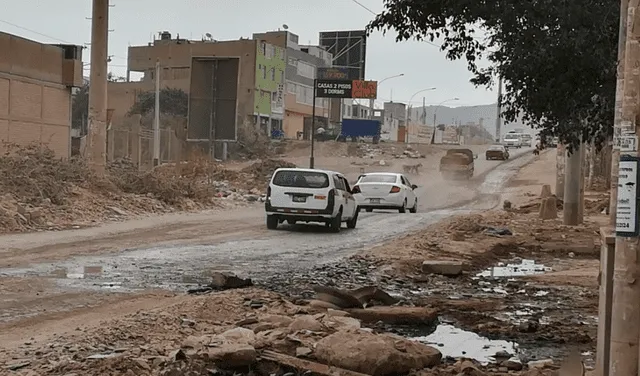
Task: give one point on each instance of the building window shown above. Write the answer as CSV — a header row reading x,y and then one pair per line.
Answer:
x,y
263,48
269,51
273,74
304,94
264,72
281,76
291,88
306,70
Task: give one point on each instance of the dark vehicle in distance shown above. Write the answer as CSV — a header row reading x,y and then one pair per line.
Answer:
x,y
457,164
498,152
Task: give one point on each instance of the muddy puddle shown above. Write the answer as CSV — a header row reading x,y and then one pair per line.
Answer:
x,y
456,343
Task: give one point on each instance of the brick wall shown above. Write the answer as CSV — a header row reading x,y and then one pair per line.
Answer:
x,y
35,105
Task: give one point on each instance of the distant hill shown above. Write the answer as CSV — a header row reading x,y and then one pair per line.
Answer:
x,y
466,114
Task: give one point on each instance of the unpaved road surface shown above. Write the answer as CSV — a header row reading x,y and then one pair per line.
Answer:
x,y
177,252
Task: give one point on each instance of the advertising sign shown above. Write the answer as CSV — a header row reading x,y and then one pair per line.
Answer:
x,y
357,89
333,73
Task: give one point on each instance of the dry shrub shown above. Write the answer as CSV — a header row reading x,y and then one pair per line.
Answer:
x,y
164,183
33,173
252,143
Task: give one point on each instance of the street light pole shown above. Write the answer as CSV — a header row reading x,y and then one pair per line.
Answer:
x,y
372,101
433,135
406,111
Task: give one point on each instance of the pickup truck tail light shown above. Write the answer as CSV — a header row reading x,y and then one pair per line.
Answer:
x,y
331,200
394,189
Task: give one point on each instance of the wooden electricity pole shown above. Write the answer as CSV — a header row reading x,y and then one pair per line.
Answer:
x,y
625,312
97,133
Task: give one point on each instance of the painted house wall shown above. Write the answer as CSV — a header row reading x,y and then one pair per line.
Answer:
x,y
270,71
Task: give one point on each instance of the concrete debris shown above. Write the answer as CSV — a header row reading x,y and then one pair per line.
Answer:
x,y
396,315
546,191
548,208
377,355
224,281
449,268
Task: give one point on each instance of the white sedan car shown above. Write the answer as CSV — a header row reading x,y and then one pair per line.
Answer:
x,y
385,190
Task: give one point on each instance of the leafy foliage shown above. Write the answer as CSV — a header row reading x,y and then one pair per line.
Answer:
x,y
172,102
80,108
557,58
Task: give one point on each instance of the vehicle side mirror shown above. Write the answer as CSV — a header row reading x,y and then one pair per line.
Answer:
x,y
413,186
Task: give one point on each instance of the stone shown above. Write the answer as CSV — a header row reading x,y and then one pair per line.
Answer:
x,y
376,355
228,281
336,312
396,315
548,208
443,267
506,205
321,305
340,298
306,322
512,365
196,342
546,191
117,211
540,363
339,322
240,335
177,355
303,351
278,320
468,368
233,355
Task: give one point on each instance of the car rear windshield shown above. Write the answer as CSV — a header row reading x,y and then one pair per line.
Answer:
x,y
301,179
378,179
495,148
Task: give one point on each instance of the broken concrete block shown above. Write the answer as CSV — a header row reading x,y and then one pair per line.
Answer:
x,y
443,267
225,281
396,315
546,191
548,209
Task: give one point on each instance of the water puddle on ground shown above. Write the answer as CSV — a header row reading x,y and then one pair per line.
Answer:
x,y
457,343
524,268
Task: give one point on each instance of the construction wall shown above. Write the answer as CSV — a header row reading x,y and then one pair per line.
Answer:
x,y
35,99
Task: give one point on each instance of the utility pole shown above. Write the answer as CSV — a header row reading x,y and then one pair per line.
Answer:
x,y
499,111
561,155
156,119
97,119
617,121
372,104
625,310
572,175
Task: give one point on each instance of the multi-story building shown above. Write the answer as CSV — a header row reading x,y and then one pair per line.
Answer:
x,y
301,67
35,92
394,124
260,74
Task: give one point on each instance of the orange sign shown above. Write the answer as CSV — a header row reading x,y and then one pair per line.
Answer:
x,y
364,89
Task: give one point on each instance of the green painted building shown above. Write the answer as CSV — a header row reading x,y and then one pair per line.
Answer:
x,y
270,79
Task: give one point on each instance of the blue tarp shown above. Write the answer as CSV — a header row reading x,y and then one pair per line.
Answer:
x,y
360,128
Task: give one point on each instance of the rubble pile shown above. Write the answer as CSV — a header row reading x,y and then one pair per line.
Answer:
x,y
47,193
371,151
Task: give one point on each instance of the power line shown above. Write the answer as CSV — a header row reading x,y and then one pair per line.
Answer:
x,y
375,14
34,32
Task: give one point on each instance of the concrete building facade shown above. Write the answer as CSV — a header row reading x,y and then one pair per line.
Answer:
x,y
260,72
394,123
35,92
302,63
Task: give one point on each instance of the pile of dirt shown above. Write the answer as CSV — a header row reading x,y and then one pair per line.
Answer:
x,y
43,192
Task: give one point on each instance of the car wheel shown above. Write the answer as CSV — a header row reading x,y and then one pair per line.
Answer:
x,y
353,221
403,209
272,222
336,223
414,209
291,222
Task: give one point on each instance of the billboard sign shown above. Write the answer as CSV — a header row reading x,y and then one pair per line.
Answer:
x,y
333,73
349,50
357,89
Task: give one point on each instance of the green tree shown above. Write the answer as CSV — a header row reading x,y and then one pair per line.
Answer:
x,y
172,102
80,109
557,58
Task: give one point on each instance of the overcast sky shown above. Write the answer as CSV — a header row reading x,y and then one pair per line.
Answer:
x,y
134,21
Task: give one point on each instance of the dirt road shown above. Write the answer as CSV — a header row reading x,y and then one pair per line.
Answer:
x,y
46,275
